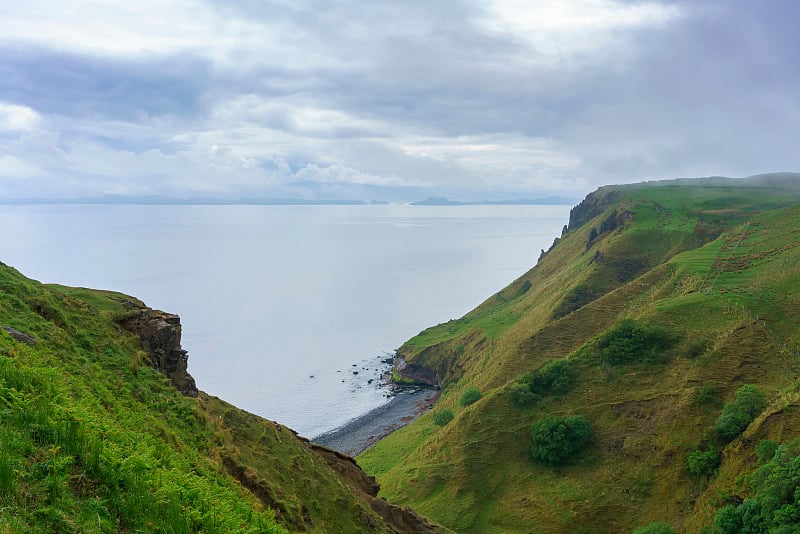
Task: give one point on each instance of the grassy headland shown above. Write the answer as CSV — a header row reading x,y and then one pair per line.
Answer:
x,y
94,439
658,303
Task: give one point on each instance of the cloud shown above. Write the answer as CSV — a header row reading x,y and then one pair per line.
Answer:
x,y
565,31
15,118
16,169
470,97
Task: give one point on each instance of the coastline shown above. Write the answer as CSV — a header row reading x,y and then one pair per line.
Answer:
x,y
358,435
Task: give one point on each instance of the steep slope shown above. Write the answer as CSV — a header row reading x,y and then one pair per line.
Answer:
x,y
95,437
656,304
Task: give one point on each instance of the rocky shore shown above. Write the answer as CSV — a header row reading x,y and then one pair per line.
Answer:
x,y
361,433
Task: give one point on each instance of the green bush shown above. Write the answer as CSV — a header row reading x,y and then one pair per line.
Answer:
x,y
553,378
703,463
730,424
470,396
750,400
655,528
632,341
737,415
728,520
556,438
774,501
708,394
522,395
696,348
765,450
443,416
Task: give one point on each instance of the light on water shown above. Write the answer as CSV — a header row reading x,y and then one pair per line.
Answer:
x,y
287,310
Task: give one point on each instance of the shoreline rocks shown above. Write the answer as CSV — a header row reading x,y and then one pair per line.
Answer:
x,y
361,433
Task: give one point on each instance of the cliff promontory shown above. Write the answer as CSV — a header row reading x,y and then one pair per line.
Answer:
x,y
104,430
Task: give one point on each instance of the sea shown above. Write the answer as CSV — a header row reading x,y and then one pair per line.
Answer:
x,y
288,311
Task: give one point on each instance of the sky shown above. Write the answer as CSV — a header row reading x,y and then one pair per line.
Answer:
x,y
470,99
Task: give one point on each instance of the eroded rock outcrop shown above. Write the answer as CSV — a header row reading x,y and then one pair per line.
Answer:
x,y
160,333
402,520
19,336
413,373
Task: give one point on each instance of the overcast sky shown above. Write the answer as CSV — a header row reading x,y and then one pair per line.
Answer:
x,y
391,100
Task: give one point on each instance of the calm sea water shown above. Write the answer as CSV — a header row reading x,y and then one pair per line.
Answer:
x,y
287,310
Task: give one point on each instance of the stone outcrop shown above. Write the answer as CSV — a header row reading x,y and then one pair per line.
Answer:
x,y
19,336
160,333
413,373
402,520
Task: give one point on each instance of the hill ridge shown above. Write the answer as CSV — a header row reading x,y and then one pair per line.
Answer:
x,y
706,263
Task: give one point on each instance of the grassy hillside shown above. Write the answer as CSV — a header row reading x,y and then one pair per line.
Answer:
x,y
656,305
93,439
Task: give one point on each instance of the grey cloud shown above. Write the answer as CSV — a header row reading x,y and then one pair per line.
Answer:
x,y
77,85
343,89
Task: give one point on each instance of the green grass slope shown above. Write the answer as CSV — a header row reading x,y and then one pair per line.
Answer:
x,y
92,439
658,303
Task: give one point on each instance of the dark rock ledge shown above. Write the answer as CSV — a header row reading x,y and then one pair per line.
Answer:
x,y
19,336
160,333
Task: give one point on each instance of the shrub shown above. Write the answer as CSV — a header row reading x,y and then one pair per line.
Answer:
x,y
774,501
522,395
632,341
553,378
443,416
702,463
708,394
730,424
556,438
765,450
655,528
750,400
696,348
470,395
728,520
736,415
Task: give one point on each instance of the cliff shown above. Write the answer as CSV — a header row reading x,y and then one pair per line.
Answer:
x,y
160,334
104,430
658,303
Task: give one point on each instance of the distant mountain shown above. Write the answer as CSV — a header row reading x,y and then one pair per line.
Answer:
x,y
442,201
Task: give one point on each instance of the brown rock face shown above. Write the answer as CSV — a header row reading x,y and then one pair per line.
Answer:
x,y
400,520
160,333
415,373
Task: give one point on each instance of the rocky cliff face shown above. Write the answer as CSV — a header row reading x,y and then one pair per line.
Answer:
x,y
413,373
402,520
160,333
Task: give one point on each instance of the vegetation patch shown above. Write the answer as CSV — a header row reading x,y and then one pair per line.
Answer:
x,y
708,394
655,528
737,415
774,505
703,463
556,377
443,416
556,439
470,396
634,342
